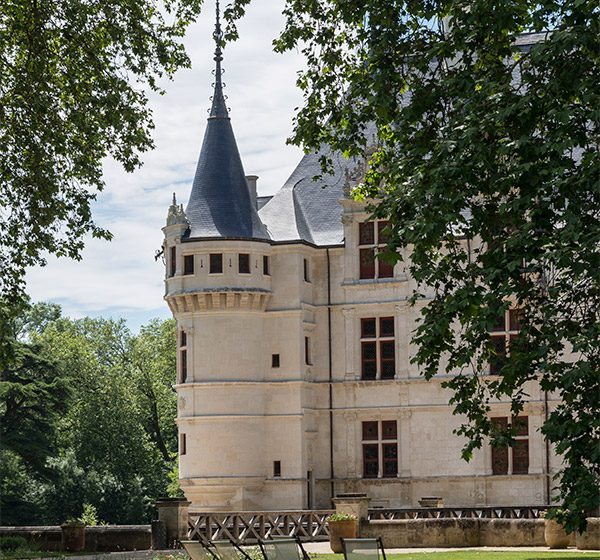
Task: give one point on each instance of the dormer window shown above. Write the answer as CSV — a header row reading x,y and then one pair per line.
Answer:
x,y
216,263
372,239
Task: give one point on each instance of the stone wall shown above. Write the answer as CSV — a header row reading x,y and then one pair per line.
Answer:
x,y
407,533
109,538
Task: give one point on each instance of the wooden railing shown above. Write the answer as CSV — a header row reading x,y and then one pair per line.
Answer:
x,y
520,512
310,525
248,527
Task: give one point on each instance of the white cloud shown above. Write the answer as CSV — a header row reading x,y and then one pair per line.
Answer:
x,y
121,278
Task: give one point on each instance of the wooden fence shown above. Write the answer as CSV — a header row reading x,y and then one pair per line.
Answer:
x,y
310,525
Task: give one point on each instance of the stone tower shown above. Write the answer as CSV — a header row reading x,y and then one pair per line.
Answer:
x,y
218,286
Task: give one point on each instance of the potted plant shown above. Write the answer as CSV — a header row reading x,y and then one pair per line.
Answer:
x,y
73,535
554,533
73,531
341,526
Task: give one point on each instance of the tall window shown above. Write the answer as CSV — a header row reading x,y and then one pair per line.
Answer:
x,y
504,333
372,238
183,356
266,267
307,357
306,270
377,347
182,444
172,261
513,460
244,263
188,264
380,449
215,263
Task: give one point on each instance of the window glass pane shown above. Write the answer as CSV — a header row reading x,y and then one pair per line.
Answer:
x,y
266,263
390,459
386,270
188,264
173,259
389,429
275,360
500,460
369,430
183,338
370,461
367,263
515,316
367,328
244,263
520,426
382,234
498,358
520,453
387,350
306,271
183,357
386,326
366,233
499,323
369,360
216,263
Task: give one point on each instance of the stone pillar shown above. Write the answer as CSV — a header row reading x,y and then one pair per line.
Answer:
x,y
174,513
353,504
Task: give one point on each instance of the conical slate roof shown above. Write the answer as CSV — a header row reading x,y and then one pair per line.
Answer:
x,y
220,204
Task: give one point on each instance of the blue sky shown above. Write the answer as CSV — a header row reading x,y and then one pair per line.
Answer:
x,y
121,278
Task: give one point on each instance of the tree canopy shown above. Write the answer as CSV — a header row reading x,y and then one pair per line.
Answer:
x,y
74,78
87,413
486,163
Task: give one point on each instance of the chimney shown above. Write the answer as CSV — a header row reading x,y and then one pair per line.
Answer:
x,y
251,180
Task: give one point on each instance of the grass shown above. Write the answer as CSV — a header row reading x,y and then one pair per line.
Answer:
x,y
480,555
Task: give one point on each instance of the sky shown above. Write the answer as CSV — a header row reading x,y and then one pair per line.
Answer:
x,y
121,279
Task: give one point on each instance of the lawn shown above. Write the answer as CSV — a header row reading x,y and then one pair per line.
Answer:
x,y
480,555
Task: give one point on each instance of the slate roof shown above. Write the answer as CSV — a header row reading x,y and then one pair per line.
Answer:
x,y
307,210
220,205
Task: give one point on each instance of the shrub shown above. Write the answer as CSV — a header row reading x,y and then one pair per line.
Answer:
x,y
12,543
341,517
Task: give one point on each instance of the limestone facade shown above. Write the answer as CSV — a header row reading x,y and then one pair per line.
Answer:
x,y
295,380
257,437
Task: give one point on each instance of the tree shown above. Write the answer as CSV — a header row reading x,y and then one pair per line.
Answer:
x,y
33,396
74,76
486,164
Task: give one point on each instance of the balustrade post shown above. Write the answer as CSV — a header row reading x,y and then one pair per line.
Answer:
x,y
353,504
174,512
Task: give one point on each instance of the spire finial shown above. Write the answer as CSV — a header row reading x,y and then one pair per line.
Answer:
x,y
174,200
218,109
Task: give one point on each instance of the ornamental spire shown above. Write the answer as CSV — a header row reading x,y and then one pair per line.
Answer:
x,y
219,108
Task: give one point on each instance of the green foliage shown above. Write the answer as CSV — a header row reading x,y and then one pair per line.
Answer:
x,y
88,446
74,84
12,543
484,157
340,517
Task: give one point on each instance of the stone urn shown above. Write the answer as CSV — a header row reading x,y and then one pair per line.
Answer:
x,y
341,526
73,537
555,535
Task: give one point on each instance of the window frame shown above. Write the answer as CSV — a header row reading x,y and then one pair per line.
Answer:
x,y
378,341
306,266
370,267
183,362
172,261
379,443
500,339
245,257
507,453
186,260
266,265
210,263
